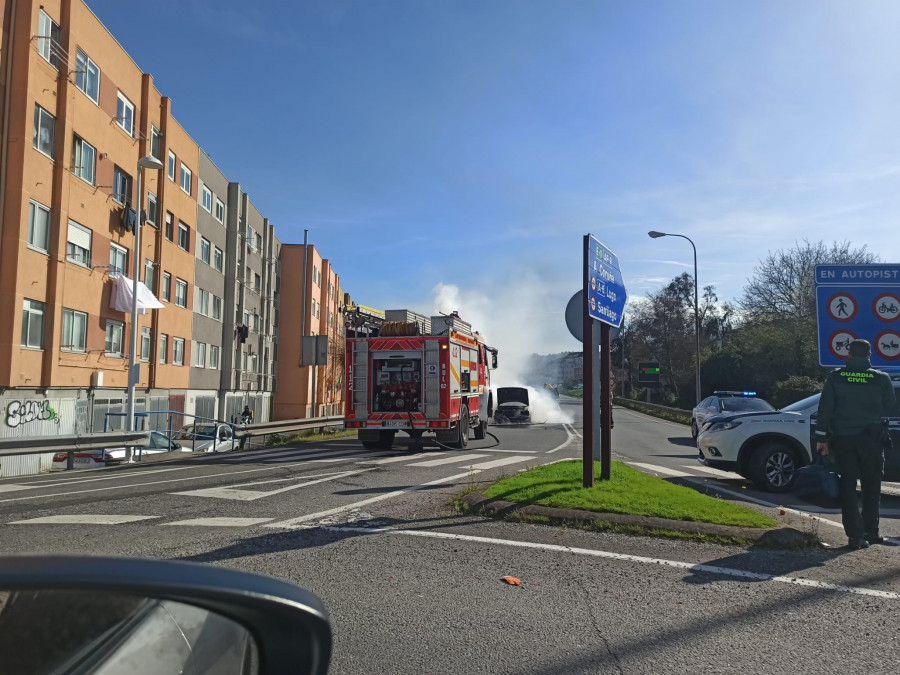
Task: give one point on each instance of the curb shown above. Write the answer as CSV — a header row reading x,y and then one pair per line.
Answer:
x,y
782,537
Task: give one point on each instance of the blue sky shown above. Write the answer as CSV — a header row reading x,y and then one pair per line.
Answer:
x,y
455,151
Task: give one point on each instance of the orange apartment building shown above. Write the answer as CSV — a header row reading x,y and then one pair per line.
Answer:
x,y
299,394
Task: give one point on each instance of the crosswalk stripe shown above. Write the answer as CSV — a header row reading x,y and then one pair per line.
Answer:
x,y
83,519
219,522
447,460
660,469
391,460
299,456
503,461
718,473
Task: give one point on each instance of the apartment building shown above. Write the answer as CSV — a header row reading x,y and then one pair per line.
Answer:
x,y
309,391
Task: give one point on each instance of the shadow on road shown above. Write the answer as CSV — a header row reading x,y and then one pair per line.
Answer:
x,y
686,441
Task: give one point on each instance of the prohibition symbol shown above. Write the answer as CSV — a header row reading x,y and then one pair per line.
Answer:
x,y
886,307
839,343
887,344
842,307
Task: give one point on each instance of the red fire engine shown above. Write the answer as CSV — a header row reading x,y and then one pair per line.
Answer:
x,y
419,375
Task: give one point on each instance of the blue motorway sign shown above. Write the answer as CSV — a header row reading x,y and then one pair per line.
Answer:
x,y
858,301
606,291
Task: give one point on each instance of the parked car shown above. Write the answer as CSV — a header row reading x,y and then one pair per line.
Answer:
x,y
726,401
769,447
211,438
98,459
512,406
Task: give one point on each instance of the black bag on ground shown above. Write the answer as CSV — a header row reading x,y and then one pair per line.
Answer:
x,y
817,484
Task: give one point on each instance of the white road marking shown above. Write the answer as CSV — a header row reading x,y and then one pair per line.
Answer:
x,y
453,459
691,567
83,519
218,522
503,461
291,523
514,452
297,456
232,492
14,488
571,435
391,460
718,473
660,469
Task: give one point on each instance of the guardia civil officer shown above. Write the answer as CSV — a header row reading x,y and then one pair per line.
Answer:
x,y
854,400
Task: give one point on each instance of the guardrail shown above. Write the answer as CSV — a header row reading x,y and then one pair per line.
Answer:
x,y
38,445
242,433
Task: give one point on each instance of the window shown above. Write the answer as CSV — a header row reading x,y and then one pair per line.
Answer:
x,y
250,239
125,114
257,282
155,142
74,331
48,39
150,275
258,241
256,322
118,259
243,360
167,287
121,187
163,347
247,318
220,210
202,302
84,160
170,220
181,292
218,259
207,199
145,343
200,354
33,324
114,332
253,362
171,168
184,236
152,210
185,178
217,308
204,249
248,275
78,245
178,351
38,227
213,356
44,131
87,76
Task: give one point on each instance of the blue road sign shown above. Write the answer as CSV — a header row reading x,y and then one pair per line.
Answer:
x,y
858,301
606,291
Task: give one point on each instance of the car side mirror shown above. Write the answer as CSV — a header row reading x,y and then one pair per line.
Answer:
x,y
176,446
94,614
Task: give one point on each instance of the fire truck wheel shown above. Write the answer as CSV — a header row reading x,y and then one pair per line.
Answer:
x,y
463,429
481,431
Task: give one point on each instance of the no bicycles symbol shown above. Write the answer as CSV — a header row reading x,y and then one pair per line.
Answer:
x,y
886,307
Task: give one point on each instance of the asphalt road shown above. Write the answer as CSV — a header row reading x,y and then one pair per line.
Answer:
x,y
413,587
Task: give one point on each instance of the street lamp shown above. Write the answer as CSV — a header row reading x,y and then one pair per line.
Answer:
x,y
657,235
133,373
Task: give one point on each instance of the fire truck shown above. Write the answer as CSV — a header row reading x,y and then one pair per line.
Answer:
x,y
419,376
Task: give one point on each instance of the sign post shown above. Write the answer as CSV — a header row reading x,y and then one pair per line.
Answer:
x,y
858,301
604,292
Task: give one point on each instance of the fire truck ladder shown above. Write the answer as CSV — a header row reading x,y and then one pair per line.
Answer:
x,y
359,386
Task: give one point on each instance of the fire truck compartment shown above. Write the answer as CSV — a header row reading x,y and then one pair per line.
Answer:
x,y
397,382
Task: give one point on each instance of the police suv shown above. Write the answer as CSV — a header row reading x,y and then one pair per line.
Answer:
x,y
769,447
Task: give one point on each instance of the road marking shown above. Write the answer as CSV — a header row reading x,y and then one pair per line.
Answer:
x,y
571,434
691,567
14,488
661,469
293,455
232,491
503,461
218,522
447,460
82,519
718,473
401,458
291,523
514,452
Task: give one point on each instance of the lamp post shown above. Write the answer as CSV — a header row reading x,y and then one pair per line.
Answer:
x,y
656,235
144,163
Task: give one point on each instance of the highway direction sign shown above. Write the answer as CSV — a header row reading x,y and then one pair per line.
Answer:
x,y
606,292
858,301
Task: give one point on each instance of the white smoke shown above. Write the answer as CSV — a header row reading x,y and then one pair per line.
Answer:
x,y
519,320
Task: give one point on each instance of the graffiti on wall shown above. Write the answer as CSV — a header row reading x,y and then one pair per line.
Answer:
x,y
23,412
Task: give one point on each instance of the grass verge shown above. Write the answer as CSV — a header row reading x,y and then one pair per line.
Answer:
x,y
282,439
670,414
628,491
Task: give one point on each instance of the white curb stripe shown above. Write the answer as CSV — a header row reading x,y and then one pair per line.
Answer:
x,y
502,462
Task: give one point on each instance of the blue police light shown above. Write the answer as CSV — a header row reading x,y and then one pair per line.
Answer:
x,y
749,393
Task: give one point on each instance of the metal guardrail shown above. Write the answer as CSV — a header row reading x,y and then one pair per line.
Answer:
x,y
70,444
242,433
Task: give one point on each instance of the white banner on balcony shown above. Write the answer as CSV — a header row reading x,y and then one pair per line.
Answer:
x,y
120,298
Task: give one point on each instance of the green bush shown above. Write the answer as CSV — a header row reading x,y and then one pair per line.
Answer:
x,y
793,389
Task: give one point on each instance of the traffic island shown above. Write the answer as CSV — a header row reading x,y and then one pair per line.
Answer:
x,y
630,502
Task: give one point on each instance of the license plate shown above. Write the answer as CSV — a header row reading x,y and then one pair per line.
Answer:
x,y
395,423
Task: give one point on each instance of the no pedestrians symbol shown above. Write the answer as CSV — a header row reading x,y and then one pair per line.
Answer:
x,y
887,344
839,343
886,307
842,307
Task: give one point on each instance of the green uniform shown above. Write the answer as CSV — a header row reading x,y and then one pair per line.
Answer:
x,y
854,400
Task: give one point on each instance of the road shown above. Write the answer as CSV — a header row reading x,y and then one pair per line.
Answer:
x,y
413,587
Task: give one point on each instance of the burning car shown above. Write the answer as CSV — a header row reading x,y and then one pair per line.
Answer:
x,y
512,406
